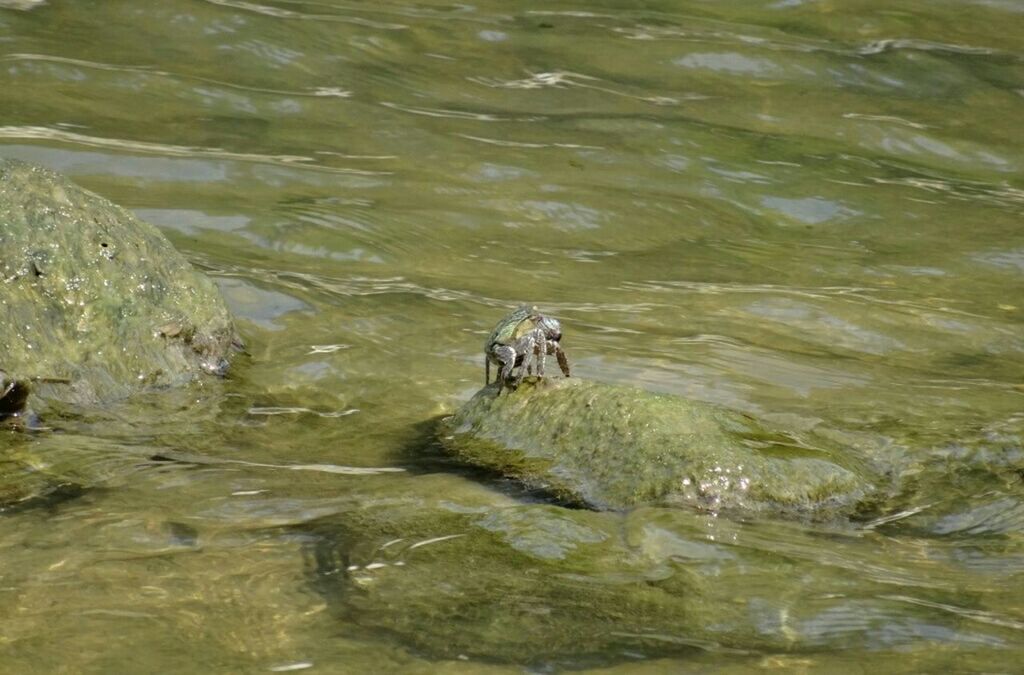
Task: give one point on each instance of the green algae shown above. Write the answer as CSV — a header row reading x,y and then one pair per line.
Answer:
x,y
96,305
612,447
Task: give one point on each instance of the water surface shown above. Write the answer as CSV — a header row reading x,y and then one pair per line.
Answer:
x,y
807,211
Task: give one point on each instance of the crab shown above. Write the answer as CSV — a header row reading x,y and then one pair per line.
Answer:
x,y
523,338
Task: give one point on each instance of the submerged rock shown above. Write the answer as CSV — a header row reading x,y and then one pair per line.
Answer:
x,y
450,569
95,304
613,447
27,481
535,585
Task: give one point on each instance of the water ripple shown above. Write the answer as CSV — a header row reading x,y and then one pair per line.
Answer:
x,y
459,114
980,616
563,79
524,144
318,92
278,13
880,46
320,468
49,134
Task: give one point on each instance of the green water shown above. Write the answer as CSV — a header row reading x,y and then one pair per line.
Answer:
x,y
810,212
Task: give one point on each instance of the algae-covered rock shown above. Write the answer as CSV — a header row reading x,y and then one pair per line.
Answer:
x,y
24,483
94,304
614,447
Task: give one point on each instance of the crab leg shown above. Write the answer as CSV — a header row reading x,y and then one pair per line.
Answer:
x,y
563,362
542,349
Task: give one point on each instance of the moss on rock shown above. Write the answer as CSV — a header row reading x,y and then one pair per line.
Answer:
x,y
95,304
613,447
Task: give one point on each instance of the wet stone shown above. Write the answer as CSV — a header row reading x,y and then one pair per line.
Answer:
x,y
606,446
87,295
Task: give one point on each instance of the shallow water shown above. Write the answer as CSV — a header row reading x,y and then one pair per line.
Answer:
x,y
810,212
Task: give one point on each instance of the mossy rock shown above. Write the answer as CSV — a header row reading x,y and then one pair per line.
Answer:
x,y
96,305
613,447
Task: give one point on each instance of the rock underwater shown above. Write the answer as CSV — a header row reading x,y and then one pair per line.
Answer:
x,y
607,446
96,305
